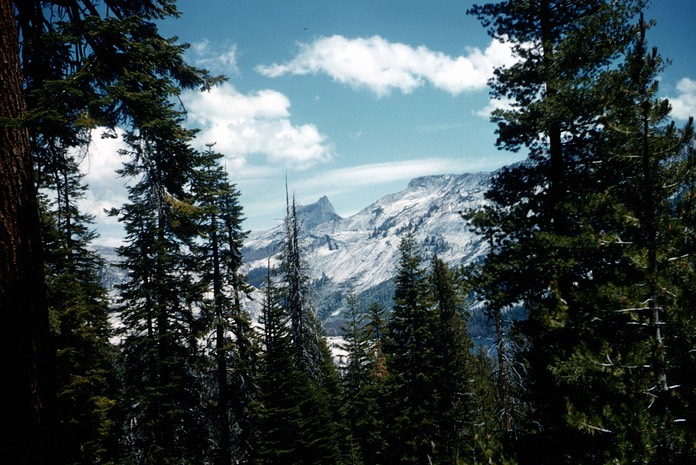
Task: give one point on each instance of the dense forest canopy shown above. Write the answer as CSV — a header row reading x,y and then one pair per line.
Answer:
x,y
592,235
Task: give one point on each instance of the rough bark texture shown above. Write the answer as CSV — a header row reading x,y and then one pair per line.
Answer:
x,y
26,358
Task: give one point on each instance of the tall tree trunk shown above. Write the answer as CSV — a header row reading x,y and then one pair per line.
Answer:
x,y
27,358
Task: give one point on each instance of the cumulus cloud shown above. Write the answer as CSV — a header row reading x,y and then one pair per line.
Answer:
x,y
242,125
215,58
382,66
106,189
494,104
684,104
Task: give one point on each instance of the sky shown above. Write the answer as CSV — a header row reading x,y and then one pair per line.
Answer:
x,y
350,99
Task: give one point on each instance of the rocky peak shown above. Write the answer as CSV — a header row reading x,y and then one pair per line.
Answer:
x,y
317,213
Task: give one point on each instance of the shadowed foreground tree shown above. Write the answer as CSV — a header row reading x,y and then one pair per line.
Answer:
x,y
83,64
27,356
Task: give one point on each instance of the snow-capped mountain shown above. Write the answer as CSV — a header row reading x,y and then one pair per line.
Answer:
x,y
359,254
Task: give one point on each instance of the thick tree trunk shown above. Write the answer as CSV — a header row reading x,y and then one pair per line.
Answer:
x,y
27,360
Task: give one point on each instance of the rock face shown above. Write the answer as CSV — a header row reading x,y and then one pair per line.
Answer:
x,y
359,254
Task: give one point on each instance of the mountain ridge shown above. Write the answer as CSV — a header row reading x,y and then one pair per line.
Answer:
x,y
359,254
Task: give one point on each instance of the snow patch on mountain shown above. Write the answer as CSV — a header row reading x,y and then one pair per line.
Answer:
x,y
359,254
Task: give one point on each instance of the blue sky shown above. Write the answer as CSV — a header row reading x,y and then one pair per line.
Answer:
x,y
352,99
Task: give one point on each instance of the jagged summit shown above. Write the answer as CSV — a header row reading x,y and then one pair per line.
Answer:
x,y
321,211
359,254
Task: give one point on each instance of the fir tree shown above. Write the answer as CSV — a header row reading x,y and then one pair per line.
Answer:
x,y
292,418
86,375
162,360
410,356
82,64
314,393
547,256
234,351
486,439
362,379
625,354
452,350
278,410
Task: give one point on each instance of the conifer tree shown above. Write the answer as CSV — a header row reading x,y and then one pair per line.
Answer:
x,y
162,360
546,253
86,375
488,280
83,64
625,354
278,409
306,329
410,355
485,442
314,393
220,257
293,423
453,357
362,382
375,394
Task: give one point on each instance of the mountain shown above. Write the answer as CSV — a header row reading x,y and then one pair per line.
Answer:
x,y
359,254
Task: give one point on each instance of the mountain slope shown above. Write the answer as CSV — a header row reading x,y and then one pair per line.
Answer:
x,y
359,254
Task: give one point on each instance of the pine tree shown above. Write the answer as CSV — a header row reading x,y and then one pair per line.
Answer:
x,y
486,439
306,328
410,356
362,379
453,348
234,351
633,403
489,282
278,410
314,391
83,65
547,256
86,375
293,423
28,356
162,360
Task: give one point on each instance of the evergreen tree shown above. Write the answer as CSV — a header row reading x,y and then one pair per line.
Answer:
x,y
78,304
306,328
313,391
278,409
547,256
488,280
83,64
486,440
292,418
235,351
362,384
410,355
162,360
625,356
28,354
452,350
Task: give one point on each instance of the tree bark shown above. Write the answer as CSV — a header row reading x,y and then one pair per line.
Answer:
x,y
27,358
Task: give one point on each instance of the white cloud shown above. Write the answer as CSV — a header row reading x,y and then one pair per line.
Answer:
x,y
106,189
379,173
494,104
215,58
382,66
242,125
684,104
375,174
